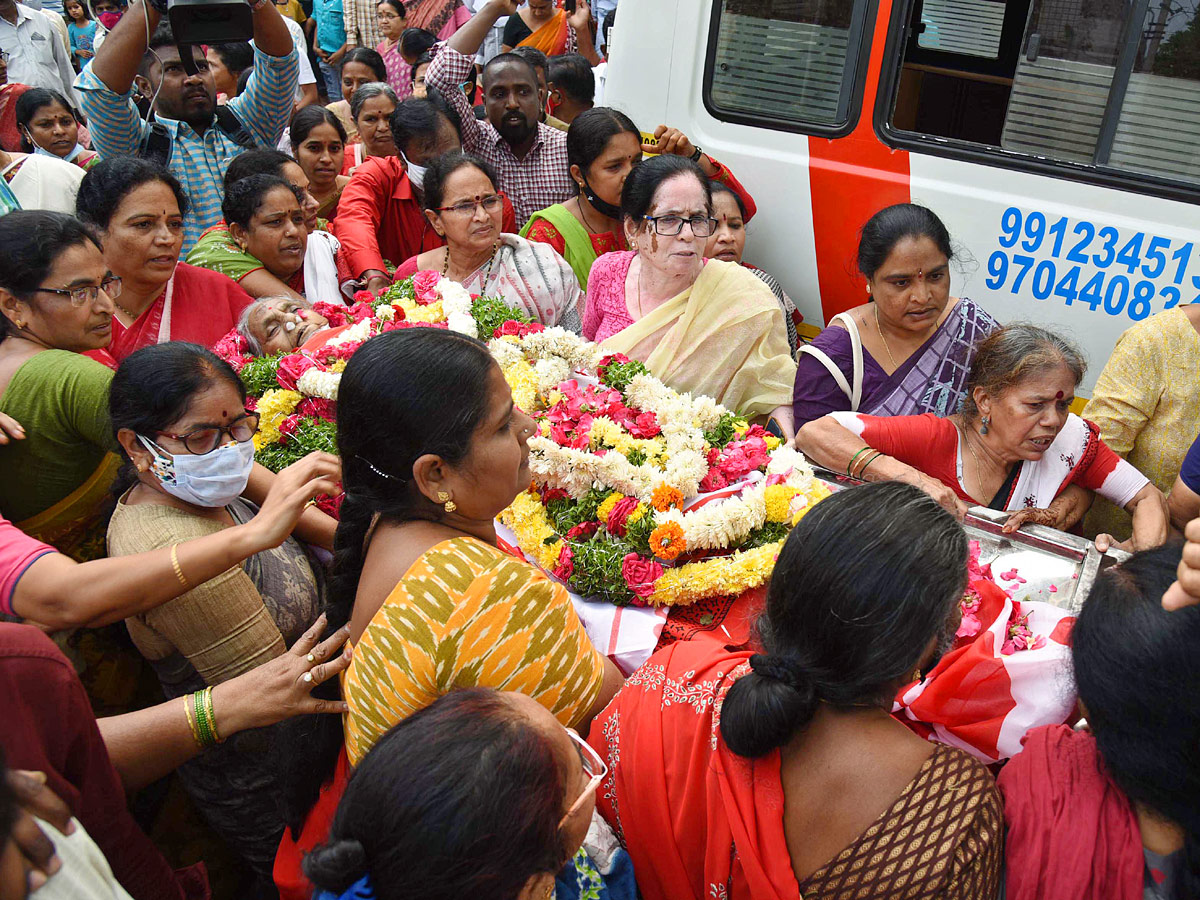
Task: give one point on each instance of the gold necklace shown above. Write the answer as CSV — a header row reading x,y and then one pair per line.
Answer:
x,y
978,465
487,273
882,338
132,317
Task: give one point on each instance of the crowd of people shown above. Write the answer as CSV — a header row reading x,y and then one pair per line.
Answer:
x,y
386,703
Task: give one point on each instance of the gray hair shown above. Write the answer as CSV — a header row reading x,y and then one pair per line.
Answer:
x,y
368,91
243,323
1013,353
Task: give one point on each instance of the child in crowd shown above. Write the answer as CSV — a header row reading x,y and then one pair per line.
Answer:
x,y
82,30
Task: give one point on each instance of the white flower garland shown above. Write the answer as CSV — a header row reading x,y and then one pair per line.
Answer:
x,y
317,383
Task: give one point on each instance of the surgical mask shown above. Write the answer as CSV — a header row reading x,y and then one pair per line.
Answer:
x,y
70,157
214,479
416,174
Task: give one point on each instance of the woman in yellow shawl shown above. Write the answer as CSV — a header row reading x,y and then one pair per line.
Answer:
x,y
56,300
704,326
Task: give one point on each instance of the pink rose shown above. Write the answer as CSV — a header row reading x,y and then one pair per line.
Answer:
x,y
566,564
251,403
510,327
734,465
583,530
713,481
360,311
318,408
619,516
334,313
425,286
645,425
531,328
288,427
364,297
969,626
640,574
291,368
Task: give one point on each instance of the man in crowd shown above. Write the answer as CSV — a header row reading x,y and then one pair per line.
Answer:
x,y
35,51
189,135
330,43
530,157
361,23
571,85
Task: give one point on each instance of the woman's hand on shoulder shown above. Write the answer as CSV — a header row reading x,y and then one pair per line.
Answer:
x,y
10,429
282,688
290,493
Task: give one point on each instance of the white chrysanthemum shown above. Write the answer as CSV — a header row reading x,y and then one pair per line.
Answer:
x,y
359,331
315,383
505,352
385,312
463,323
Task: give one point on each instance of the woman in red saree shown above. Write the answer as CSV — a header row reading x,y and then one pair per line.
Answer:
x,y
138,208
1114,813
781,774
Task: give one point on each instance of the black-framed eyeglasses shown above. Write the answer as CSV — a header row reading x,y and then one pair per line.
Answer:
x,y
206,440
490,204
3,56
669,226
82,296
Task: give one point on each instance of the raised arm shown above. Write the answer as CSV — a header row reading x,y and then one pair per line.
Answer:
x,y
122,586
119,57
468,39
147,744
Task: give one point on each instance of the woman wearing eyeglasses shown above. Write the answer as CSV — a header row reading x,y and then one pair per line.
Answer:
x,y
178,413
56,296
464,208
708,327
412,821
138,209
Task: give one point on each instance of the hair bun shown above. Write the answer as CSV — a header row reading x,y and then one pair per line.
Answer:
x,y
336,865
765,707
781,670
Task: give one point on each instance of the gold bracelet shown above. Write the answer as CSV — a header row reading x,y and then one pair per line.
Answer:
x,y
212,718
863,471
188,700
178,571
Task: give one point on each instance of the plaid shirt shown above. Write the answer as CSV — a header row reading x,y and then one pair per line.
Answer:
x,y
198,161
362,26
539,180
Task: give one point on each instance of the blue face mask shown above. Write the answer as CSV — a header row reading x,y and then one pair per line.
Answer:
x,y
70,157
214,479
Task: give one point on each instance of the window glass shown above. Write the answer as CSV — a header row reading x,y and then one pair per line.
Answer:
x,y
787,60
971,27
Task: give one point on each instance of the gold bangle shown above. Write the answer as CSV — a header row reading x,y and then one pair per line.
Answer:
x,y
178,570
863,471
188,701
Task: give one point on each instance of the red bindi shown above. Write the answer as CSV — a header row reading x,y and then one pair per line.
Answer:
x,y
1058,396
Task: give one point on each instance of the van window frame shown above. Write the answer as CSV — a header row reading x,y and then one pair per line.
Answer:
x,y
998,157
858,56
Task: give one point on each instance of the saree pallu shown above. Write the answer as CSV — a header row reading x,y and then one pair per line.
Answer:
x,y
76,524
10,134
555,226
724,337
442,17
554,38
702,823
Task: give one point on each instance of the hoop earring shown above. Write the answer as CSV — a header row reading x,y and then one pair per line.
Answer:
x,y
448,504
983,423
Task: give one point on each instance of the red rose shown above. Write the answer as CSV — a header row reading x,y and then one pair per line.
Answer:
x,y
400,315
291,368
610,358
619,516
554,494
251,403
510,327
318,408
583,530
531,328
364,297
288,427
713,481
566,564
640,574
425,286
334,313
331,506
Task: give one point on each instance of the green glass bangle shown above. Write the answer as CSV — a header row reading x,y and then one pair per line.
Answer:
x,y
854,459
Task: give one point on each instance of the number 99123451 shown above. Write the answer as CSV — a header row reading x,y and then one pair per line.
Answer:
x,y
1081,264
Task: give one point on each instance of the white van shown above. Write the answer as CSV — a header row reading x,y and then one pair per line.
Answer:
x,y
1058,139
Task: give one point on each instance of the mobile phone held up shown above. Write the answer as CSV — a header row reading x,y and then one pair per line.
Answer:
x,y
569,6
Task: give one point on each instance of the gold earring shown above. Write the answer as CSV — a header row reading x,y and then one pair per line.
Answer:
x,y
916,675
448,504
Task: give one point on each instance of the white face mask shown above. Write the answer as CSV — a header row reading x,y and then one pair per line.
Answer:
x,y
70,157
416,174
215,479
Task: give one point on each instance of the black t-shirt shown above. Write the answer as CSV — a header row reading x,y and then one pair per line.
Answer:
x,y
515,31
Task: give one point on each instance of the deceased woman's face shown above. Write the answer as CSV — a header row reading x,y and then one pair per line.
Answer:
x,y
281,323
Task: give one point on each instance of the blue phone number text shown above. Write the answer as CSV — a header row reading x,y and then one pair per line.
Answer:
x,y
1146,260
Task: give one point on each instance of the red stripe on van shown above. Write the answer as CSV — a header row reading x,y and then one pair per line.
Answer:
x,y
851,179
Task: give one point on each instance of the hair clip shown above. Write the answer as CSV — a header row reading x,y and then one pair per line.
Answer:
x,y
370,465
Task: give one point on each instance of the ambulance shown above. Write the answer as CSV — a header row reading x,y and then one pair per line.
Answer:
x,y
1059,140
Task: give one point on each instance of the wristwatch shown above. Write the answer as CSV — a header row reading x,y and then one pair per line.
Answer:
x,y
695,157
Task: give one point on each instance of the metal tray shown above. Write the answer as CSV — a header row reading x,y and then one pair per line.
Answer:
x,y
1057,567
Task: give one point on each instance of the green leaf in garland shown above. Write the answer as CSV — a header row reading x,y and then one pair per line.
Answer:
x,y
617,375
491,312
258,375
312,434
723,432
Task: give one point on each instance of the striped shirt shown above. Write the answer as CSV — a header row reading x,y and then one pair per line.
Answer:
x,y
540,179
198,161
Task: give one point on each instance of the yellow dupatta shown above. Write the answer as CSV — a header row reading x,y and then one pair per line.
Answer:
x,y
723,337
551,38
76,524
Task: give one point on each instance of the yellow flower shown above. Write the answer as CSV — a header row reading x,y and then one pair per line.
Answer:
x,y
779,498
667,540
638,512
431,314
606,507
772,441
338,366
720,576
528,519
813,496
273,407
522,380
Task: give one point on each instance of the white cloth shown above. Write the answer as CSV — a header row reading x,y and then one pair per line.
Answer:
x,y
45,182
320,268
600,73
36,54
85,873
532,277
306,72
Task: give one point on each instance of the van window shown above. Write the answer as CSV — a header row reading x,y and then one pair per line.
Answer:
x,y
1110,84
789,62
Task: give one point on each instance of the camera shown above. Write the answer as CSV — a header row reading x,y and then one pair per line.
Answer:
x,y
197,22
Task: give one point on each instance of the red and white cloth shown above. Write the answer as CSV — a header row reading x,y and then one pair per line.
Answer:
x,y
1077,455
986,694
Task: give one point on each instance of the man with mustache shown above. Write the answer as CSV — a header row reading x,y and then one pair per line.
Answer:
x,y
530,158
190,135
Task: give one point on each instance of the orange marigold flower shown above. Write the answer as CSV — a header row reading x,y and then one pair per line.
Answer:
x,y
667,541
665,496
